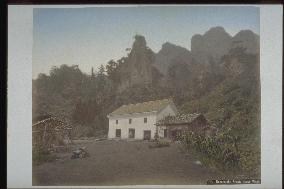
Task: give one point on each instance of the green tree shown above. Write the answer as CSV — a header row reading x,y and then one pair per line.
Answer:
x,y
112,71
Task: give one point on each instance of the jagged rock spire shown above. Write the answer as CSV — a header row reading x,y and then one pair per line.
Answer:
x,y
139,43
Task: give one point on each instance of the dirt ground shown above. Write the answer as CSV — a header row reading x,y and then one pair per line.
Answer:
x,y
123,163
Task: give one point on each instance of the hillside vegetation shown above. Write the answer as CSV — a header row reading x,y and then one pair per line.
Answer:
x,y
220,80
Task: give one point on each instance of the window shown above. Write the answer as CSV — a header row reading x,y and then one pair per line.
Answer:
x,y
131,133
116,121
118,133
130,121
145,120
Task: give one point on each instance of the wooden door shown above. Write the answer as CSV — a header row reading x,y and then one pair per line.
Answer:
x,y
147,135
118,133
165,133
131,133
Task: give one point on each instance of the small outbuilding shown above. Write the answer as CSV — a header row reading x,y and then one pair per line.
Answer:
x,y
172,126
51,132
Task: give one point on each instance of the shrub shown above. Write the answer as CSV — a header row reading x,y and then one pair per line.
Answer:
x,y
222,151
250,161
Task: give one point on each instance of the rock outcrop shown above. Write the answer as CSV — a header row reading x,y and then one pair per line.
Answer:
x,y
216,43
203,64
247,40
211,46
138,68
169,55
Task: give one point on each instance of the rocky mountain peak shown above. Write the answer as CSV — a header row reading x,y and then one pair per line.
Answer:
x,y
246,33
139,43
211,46
169,47
248,40
216,42
139,64
206,49
218,30
170,54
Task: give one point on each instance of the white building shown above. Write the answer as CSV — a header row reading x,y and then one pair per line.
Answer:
x,y
138,121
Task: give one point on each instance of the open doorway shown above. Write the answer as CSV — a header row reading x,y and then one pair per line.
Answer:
x,y
131,133
147,135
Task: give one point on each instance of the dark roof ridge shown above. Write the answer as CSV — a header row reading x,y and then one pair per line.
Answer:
x,y
142,107
180,118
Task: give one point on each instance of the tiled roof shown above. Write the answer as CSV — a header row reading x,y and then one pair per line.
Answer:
x,y
179,119
151,106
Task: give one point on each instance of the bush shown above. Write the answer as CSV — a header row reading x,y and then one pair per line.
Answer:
x,y
222,151
250,161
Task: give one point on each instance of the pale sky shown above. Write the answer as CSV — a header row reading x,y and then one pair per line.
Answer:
x,y
89,37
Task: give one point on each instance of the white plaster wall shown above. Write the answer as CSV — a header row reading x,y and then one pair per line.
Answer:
x,y
137,124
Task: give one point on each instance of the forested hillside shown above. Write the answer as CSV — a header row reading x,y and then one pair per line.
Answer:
x,y
218,77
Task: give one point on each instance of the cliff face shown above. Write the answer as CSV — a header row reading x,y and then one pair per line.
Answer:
x,y
169,55
211,46
203,66
247,40
140,60
138,68
216,43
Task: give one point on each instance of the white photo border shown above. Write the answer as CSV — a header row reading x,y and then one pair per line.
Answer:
x,y
19,119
